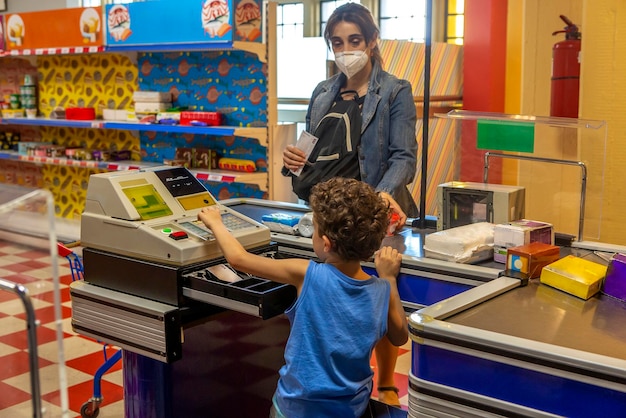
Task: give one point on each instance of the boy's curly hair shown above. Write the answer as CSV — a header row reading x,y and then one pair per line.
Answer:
x,y
352,215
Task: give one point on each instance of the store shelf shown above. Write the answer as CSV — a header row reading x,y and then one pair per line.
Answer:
x,y
53,51
258,133
257,178
259,49
61,123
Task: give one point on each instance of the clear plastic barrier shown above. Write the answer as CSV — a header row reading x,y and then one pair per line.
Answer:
x,y
559,161
30,275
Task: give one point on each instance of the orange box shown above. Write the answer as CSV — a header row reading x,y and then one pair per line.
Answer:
x,y
529,259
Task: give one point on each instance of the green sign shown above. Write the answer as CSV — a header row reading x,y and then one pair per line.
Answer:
x,y
505,136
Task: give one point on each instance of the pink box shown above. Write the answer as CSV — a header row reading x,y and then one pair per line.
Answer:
x,y
520,232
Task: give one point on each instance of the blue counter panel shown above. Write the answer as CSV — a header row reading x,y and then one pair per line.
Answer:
x,y
533,389
424,290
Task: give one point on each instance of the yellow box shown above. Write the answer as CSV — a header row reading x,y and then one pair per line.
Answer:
x,y
12,113
574,275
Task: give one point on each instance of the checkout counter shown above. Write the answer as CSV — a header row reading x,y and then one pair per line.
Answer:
x,y
503,349
197,343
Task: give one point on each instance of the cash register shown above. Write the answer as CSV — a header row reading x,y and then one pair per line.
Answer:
x,y
149,263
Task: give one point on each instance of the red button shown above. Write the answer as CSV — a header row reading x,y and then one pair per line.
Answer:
x,y
178,235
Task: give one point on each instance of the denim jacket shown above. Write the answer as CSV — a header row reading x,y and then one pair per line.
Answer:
x,y
388,150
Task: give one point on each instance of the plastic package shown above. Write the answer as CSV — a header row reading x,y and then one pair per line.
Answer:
x,y
464,244
281,222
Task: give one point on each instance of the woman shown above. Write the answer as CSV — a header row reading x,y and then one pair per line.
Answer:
x,y
387,155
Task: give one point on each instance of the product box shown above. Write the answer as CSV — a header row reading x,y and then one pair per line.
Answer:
x,y
201,118
186,154
615,282
205,158
12,113
151,107
168,116
28,147
114,114
152,96
574,275
529,259
520,232
80,113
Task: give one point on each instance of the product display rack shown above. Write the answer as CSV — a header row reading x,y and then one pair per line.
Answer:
x,y
265,54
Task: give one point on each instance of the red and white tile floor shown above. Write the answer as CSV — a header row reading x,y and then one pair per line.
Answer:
x,y
31,267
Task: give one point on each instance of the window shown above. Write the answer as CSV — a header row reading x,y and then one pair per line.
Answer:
x,y
290,20
327,7
455,21
403,19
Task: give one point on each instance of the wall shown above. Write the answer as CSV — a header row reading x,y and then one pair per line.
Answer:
x,y
603,87
19,6
484,53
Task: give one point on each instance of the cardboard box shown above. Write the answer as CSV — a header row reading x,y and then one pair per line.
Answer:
x,y
615,282
529,259
152,96
151,107
205,158
520,232
574,275
186,154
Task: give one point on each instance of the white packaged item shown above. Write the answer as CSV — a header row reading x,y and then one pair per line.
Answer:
x,y
464,244
151,107
152,96
168,115
114,114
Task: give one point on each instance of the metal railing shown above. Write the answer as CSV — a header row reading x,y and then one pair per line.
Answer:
x,y
31,327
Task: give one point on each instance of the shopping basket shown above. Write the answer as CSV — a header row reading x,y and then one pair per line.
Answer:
x,y
91,408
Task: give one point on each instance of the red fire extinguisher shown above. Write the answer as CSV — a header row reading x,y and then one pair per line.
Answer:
x,y
566,72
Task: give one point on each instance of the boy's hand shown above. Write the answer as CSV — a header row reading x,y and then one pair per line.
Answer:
x,y
387,261
210,216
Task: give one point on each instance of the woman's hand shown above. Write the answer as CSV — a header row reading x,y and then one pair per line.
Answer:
x,y
293,158
395,207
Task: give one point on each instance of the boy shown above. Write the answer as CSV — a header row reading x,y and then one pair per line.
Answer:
x,y
340,312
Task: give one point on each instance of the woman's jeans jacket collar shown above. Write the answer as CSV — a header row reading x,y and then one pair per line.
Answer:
x,y
388,151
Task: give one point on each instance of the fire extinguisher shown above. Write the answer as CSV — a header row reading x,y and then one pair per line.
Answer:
x,y
566,72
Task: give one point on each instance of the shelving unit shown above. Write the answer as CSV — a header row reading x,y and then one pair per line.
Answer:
x,y
263,133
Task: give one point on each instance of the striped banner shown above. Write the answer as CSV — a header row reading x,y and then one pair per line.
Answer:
x,y
405,59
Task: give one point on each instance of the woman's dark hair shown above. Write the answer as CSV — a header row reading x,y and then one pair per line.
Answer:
x,y
361,17
352,215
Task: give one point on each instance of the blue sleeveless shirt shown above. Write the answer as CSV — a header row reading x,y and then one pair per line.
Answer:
x,y
335,324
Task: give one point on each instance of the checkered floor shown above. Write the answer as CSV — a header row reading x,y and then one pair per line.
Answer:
x,y
30,266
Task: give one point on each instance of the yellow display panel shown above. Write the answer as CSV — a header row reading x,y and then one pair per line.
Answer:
x,y
196,201
148,202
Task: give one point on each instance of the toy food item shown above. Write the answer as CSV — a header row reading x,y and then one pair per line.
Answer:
x,y
236,164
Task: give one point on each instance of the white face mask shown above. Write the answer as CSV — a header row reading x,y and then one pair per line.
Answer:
x,y
351,62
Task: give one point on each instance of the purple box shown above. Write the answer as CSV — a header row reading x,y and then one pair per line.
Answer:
x,y
615,281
